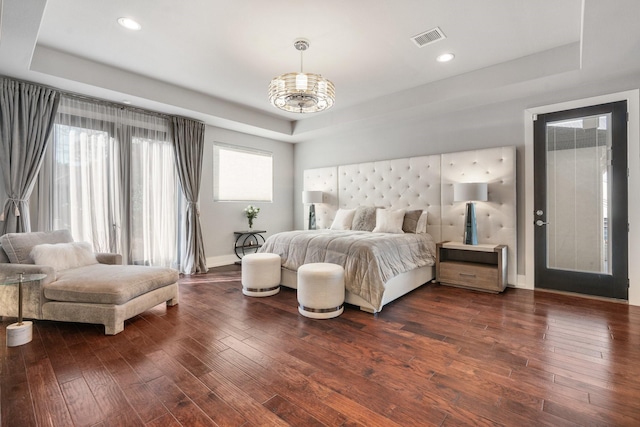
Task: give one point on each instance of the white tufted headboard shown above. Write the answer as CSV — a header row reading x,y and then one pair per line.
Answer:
x,y
411,183
426,182
496,218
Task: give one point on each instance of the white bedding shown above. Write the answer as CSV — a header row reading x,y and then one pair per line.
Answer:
x,y
369,259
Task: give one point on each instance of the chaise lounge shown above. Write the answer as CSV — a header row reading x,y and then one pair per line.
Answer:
x,y
80,286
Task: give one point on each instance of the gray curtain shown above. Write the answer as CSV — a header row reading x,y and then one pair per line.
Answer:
x,y
188,140
27,113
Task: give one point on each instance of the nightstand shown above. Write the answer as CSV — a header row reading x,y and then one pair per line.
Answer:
x,y
479,267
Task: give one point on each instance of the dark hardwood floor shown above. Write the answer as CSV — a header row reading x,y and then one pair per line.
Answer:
x,y
439,356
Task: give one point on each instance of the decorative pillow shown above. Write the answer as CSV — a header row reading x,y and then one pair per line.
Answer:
x,y
364,218
343,219
422,223
410,223
18,246
388,221
62,256
3,256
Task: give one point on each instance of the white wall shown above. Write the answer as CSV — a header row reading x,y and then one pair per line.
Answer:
x,y
488,127
220,219
481,126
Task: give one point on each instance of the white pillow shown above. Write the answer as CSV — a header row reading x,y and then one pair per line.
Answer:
x,y
421,228
343,219
388,221
62,256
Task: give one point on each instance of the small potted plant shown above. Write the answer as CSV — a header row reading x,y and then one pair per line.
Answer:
x,y
252,213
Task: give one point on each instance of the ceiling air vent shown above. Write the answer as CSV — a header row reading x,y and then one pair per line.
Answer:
x,y
428,37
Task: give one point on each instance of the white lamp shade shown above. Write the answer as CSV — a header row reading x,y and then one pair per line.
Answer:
x,y
311,197
470,191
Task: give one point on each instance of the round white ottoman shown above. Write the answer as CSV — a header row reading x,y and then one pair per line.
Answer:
x,y
260,274
321,290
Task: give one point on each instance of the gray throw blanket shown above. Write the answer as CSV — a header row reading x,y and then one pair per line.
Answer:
x,y
369,259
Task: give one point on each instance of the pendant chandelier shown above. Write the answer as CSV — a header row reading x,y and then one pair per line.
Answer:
x,y
301,92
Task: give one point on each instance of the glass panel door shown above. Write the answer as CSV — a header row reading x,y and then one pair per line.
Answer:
x,y
581,200
578,153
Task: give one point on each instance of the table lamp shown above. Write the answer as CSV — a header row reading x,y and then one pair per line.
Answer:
x,y
470,192
311,197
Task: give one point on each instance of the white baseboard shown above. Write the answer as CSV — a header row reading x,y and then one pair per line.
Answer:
x,y
218,261
522,283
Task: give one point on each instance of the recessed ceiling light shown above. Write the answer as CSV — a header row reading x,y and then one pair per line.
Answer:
x,y
129,24
445,57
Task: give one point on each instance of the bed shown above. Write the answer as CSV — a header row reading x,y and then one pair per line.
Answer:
x,y
379,266
417,183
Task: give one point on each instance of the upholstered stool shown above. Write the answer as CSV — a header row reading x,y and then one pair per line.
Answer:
x,y
321,290
261,274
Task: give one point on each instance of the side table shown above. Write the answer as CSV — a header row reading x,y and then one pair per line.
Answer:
x,y
20,332
247,241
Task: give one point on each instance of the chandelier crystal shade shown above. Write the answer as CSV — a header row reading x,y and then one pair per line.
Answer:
x,y
301,92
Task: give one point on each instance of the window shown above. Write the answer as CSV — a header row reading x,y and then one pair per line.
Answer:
x,y
84,195
114,182
242,174
154,200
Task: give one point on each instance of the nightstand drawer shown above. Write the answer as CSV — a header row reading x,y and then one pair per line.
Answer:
x,y
471,275
481,267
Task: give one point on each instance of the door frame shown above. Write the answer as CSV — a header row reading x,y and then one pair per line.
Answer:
x,y
633,159
614,282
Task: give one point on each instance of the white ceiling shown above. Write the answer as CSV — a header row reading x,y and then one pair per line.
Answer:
x,y
213,59
232,49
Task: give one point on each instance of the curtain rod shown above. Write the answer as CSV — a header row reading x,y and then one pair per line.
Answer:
x,y
99,100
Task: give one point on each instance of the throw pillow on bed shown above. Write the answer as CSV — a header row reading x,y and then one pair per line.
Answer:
x,y
410,223
364,218
421,228
388,221
62,256
343,219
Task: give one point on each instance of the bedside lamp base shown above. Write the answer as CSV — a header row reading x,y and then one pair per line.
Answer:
x,y
312,217
470,227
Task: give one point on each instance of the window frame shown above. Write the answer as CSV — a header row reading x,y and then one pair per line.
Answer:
x,y
217,146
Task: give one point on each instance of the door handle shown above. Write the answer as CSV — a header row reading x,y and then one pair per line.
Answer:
x,y
540,223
